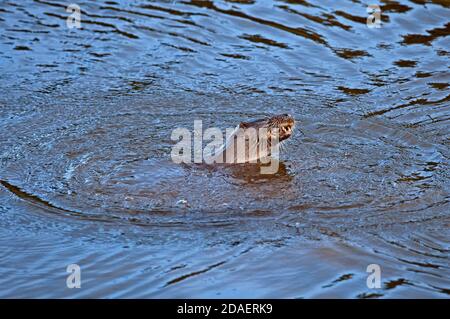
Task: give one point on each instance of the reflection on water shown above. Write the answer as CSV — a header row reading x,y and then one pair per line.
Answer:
x,y
86,175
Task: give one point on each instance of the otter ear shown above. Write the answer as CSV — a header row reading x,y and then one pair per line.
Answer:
x,y
243,125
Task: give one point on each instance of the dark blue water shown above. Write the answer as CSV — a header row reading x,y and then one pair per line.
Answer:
x,y
86,116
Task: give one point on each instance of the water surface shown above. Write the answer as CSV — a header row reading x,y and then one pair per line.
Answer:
x,y
86,176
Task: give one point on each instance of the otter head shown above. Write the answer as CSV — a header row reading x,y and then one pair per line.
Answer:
x,y
280,125
255,140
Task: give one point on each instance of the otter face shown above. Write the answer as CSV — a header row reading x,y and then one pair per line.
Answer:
x,y
283,125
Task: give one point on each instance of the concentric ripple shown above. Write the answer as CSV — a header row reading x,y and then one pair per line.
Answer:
x,y
86,177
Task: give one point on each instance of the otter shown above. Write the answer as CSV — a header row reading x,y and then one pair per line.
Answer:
x,y
255,141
